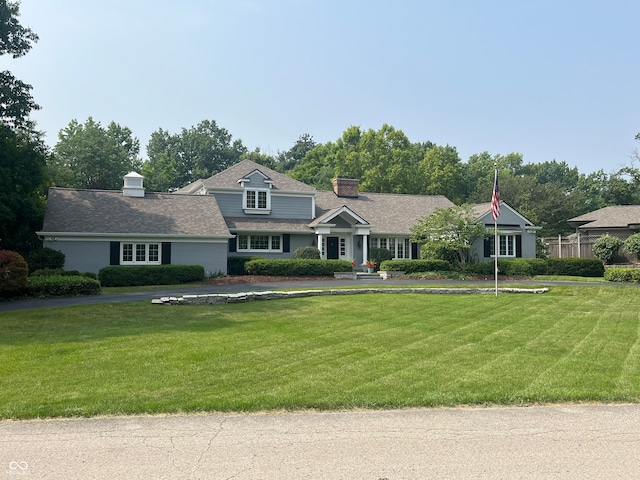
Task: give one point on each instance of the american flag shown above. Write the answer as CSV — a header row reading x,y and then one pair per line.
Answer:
x,y
495,199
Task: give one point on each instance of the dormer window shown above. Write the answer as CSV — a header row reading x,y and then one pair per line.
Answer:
x,y
256,201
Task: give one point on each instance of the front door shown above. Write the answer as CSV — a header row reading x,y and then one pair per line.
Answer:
x,y
333,249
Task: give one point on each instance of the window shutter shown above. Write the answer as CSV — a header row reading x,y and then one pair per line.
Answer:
x,y
166,253
286,243
114,253
519,246
487,248
233,244
415,251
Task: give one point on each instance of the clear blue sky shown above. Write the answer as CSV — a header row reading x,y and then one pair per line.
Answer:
x,y
550,79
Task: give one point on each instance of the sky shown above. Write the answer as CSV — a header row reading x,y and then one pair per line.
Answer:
x,y
549,79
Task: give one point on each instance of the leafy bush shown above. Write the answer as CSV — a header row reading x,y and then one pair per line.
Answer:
x,y
581,267
632,244
310,253
13,273
45,258
296,267
62,286
606,248
628,275
48,272
236,265
379,255
132,275
415,266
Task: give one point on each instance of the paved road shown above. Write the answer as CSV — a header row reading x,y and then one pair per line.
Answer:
x,y
556,442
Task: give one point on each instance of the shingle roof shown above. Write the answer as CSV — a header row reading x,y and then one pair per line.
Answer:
x,y
387,213
619,216
268,224
229,178
109,211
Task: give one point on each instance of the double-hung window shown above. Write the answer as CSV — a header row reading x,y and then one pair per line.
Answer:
x,y
139,253
507,246
399,247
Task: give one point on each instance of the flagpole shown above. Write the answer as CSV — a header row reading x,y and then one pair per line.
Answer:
x,y
497,250
495,212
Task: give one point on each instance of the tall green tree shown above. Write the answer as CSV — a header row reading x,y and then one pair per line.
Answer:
x,y
194,153
22,179
286,161
16,101
443,173
91,156
22,151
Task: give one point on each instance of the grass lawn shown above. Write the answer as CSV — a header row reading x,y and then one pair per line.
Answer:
x,y
572,344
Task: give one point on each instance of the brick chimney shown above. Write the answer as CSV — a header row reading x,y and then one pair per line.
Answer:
x,y
346,187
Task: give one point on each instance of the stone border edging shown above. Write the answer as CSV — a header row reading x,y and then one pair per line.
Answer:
x,y
223,298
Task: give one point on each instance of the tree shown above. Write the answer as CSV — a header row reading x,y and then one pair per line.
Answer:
x,y
22,179
16,101
443,173
91,156
195,153
448,232
287,161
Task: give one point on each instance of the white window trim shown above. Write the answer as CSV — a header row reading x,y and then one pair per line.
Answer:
x,y
134,247
500,236
406,246
257,250
256,209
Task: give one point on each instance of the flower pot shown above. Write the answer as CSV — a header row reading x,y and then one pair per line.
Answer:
x,y
370,270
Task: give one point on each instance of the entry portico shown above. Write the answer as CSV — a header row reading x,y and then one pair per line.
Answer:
x,y
342,234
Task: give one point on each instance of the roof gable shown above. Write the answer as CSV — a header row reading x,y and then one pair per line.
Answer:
x,y
481,210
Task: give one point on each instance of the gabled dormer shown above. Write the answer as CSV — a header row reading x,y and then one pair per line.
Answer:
x,y
256,193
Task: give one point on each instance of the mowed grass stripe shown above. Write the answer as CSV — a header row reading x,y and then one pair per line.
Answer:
x,y
359,351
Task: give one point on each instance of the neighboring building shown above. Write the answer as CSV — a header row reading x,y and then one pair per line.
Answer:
x,y
247,209
620,220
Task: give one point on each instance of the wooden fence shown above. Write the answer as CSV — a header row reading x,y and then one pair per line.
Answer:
x,y
580,246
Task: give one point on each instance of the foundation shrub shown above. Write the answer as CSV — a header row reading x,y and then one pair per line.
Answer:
x,y
62,286
296,267
13,273
134,275
416,266
581,267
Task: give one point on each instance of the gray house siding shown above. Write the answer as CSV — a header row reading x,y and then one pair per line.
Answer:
x,y
212,256
282,206
83,256
230,204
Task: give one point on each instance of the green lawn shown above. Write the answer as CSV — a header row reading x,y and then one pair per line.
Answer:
x,y
359,351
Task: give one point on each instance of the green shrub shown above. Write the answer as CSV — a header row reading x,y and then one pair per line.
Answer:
x,y
133,275
45,258
13,273
483,268
627,275
296,267
309,253
632,244
48,272
606,248
62,286
580,267
380,255
521,267
236,265
415,266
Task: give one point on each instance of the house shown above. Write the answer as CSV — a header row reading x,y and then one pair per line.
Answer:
x,y
516,234
620,220
247,209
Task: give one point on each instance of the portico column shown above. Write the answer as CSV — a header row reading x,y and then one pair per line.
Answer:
x,y
365,248
322,255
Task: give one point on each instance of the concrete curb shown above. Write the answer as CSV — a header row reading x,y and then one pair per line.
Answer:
x,y
223,298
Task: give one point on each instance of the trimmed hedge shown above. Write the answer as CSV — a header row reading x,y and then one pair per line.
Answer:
x,y
580,267
415,266
619,274
62,286
236,265
49,272
521,267
310,253
134,275
296,267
